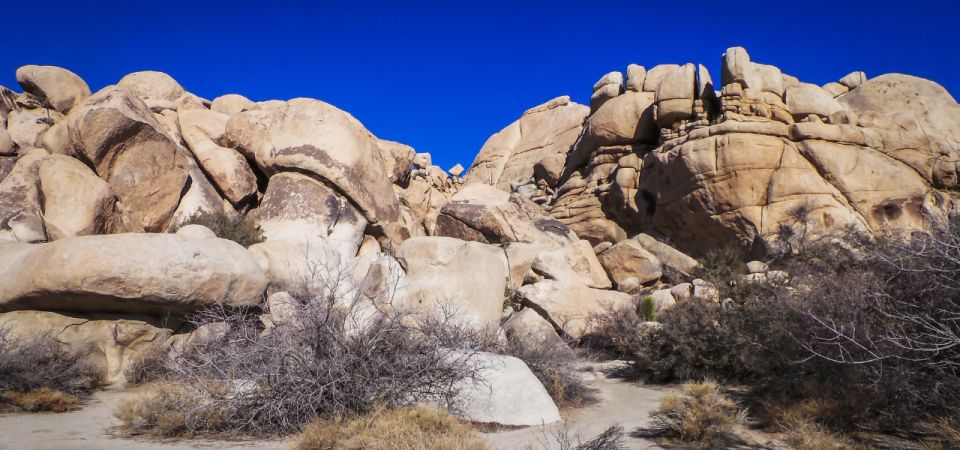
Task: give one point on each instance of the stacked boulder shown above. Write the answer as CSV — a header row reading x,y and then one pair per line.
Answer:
x,y
761,161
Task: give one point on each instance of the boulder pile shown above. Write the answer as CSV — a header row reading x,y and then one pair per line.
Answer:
x,y
570,211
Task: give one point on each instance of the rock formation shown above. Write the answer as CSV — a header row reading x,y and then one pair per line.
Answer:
x,y
570,211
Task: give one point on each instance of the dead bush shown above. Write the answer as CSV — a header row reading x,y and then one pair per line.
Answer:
x,y
336,354
39,367
417,428
555,367
42,399
698,413
565,439
237,229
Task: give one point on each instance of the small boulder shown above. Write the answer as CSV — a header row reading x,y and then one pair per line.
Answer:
x,y
75,201
152,84
62,88
628,259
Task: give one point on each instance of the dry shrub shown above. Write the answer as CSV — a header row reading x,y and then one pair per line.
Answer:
x,y
554,366
943,433
565,439
337,355
39,373
42,399
417,428
150,364
698,413
803,424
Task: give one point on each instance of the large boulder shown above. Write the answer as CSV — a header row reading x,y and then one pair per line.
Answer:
x,y
505,392
130,273
568,306
622,120
75,201
447,276
628,259
805,99
62,88
315,138
153,85
904,95
115,133
482,213
397,159
541,137
201,129
298,206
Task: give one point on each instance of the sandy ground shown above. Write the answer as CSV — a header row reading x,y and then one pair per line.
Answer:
x,y
623,403
89,429
620,403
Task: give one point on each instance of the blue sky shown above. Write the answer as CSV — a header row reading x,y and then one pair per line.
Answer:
x,y
443,76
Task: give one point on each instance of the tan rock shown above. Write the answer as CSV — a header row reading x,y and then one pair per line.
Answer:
x,y
925,101
805,99
297,206
20,200
398,159
26,127
542,136
635,77
574,263
568,307
505,392
62,88
450,276
313,137
133,273
628,259
75,201
151,84
231,104
609,86
482,213
530,329
853,79
228,169
146,169
668,256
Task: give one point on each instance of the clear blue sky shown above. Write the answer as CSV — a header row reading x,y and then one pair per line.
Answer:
x,y
443,76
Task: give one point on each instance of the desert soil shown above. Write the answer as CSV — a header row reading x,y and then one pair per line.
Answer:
x,y
92,427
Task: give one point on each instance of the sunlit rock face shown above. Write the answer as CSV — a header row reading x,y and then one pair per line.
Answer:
x,y
760,160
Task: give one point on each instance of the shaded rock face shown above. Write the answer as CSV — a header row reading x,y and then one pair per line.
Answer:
x,y
761,160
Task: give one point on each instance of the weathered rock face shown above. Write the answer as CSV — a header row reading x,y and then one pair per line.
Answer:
x,y
119,137
312,137
62,88
763,163
152,85
297,206
132,273
450,276
541,138
481,213
567,306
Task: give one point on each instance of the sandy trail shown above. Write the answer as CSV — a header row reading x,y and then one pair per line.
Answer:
x,y
624,403
620,403
89,429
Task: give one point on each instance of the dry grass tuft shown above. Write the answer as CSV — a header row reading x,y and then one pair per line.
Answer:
x,y
42,399
170,410
699,413
417,428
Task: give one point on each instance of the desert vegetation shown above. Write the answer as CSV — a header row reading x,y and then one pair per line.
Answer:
x,y
40,374
862,339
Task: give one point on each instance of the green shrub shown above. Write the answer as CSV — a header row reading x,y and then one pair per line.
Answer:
x,y
648,309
